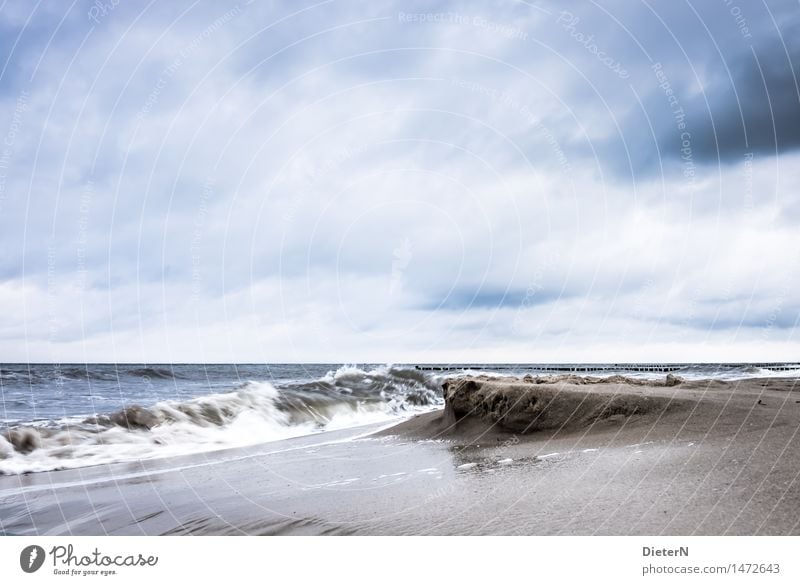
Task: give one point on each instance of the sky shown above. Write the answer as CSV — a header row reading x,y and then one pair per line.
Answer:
x,y
351,182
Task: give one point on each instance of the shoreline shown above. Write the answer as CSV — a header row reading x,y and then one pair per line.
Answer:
x,y
726,460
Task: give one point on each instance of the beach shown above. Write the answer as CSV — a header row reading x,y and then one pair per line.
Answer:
x,y
613,456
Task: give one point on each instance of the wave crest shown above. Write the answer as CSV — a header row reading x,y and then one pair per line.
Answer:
x,y
254,412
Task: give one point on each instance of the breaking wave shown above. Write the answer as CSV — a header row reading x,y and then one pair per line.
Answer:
x,y
254,412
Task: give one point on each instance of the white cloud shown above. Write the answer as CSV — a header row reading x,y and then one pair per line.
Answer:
x,y
253,212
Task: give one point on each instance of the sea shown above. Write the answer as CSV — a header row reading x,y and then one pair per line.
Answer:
x,y
62,416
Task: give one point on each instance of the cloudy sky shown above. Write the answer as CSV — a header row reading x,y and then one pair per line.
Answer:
x,y
346,181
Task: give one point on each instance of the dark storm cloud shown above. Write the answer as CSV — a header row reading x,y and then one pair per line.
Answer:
x,y
721,95
708,81
756,110
765,118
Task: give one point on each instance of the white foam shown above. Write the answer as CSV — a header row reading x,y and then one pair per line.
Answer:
x,y
245,417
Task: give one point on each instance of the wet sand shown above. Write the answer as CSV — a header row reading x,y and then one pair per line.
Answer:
x,y
723,458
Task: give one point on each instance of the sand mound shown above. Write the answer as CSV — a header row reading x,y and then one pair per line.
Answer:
x,y
523,407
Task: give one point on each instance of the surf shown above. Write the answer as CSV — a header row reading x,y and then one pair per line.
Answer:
x,y
251,413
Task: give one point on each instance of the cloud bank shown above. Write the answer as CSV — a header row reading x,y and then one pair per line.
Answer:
x,y
399,181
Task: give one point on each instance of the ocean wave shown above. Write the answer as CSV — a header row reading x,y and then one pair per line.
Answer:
x,y
739,371
252,413
153,372
49,373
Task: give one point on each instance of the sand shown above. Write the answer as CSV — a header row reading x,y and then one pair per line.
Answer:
x,y
701,458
